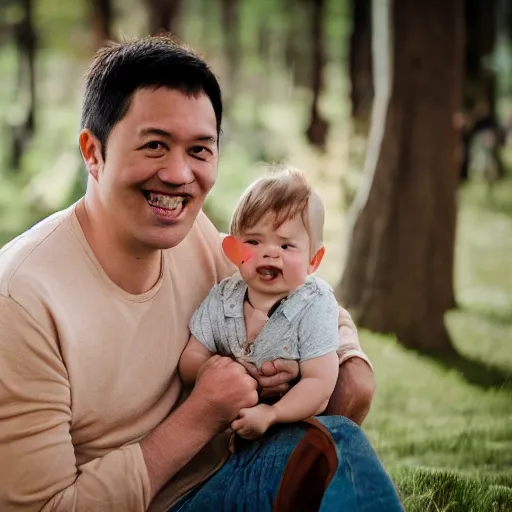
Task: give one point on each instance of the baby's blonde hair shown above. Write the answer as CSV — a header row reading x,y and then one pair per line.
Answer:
x,y
285,193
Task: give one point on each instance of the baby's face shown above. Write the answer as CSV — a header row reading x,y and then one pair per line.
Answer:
x,y
279,260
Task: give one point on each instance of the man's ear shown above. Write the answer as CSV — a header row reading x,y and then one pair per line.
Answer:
x,y
90,148
237,252
317,259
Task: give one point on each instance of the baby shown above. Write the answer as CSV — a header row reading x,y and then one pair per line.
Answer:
x,y
272,308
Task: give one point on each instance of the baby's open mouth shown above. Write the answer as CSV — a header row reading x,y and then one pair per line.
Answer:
x,y
268,272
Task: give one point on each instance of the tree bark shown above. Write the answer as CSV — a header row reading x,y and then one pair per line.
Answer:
x,y
164,16
318,127
360,64
398,276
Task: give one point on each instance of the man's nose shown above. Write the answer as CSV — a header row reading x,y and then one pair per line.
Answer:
x,y
176,170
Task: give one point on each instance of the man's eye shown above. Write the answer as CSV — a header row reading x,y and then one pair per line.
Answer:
x,y
199,151
154,145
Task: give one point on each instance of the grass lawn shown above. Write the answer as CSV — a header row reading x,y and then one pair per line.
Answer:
x,y
445,431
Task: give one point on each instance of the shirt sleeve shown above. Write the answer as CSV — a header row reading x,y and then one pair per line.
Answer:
x,y
202,322
318,328
39,469
349,345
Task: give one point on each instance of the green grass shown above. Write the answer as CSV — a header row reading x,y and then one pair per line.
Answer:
x,y
445,435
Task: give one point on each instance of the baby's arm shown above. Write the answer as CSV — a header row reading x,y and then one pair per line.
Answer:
x,y
192,358
307,398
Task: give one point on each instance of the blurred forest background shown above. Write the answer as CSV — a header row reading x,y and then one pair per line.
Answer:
x,y
400,113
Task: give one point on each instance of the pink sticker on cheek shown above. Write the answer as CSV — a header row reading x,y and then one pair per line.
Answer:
x,y
236,251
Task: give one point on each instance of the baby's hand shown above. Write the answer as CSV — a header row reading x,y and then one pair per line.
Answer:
x,y
254,421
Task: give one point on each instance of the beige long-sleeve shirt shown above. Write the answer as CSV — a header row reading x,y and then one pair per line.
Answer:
x,y
87,370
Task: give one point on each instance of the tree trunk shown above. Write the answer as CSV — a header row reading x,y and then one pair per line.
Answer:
x,y
230,24
398,276
26,41
479,108
164,16
360,64
102,15
318,127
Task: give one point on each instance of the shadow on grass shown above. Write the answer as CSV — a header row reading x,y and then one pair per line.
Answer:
x,y
474,371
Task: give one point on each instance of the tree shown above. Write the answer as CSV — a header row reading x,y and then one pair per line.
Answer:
x,y
479,100
318,127
102,17
230,24
360,64
398,276
26,42
164,16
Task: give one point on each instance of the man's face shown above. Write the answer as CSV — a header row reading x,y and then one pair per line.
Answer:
x,y
161,162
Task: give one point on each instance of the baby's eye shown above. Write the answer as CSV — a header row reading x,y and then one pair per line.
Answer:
x,y
252,242
286,246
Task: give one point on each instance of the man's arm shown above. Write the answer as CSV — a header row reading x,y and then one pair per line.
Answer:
x,y
40,468
354,391
222,389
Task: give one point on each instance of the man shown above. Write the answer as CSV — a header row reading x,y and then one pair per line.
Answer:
x,y
94,310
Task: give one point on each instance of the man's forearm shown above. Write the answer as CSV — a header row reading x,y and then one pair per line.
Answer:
x,y
170,446
354,391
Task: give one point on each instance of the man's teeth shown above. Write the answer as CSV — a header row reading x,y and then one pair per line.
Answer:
x,y
164,201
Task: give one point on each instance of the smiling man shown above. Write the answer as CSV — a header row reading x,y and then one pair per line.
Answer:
x,y
95,303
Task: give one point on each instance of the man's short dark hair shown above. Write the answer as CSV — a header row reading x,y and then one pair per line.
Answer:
x,y
119,69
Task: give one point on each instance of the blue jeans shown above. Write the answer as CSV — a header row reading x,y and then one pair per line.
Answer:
x,y
249,481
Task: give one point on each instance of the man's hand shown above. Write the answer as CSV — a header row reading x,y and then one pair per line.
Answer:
x,y
224,387
276,377
353,394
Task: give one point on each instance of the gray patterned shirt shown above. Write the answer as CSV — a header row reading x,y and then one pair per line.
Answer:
x,y
304,326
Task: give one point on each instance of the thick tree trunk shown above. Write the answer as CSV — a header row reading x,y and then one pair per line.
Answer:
x,y
230,24
399,271
164,16
360,64
318,127
102,15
